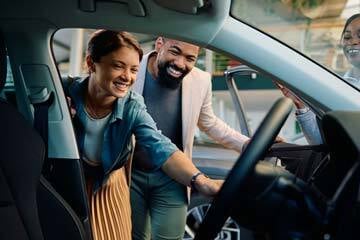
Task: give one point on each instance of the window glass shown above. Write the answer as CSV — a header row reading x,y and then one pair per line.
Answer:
x,y
69,47
312,27
257,92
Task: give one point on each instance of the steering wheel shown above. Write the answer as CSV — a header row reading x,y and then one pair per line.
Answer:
x,y
265,135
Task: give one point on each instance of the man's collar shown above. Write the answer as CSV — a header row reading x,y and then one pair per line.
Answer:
x,y
150,63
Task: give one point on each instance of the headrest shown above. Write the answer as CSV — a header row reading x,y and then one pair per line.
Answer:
x,y
3,67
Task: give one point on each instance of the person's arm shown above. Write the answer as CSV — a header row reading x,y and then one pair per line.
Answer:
x,y
217,129
309,126
164,154
305,117
287,93
181,169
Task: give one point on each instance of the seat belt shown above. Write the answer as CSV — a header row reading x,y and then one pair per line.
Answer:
x,y
41,101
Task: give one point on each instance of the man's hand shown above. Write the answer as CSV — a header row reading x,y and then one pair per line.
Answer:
x,y
208,186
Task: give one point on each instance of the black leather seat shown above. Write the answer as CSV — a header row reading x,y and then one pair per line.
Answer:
x,y
29,207
21,158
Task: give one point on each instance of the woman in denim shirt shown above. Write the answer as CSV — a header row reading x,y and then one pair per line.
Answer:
x,y
107,114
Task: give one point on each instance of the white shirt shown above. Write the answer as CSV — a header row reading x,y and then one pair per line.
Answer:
x,y
94,135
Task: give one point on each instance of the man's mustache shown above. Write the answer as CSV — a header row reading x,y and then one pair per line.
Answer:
x,y
177,68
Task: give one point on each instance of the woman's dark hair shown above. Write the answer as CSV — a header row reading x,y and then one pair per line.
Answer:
x,y
103,42
348,21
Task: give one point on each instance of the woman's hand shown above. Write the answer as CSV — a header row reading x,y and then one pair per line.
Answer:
x,y
180,168
287,93
208,186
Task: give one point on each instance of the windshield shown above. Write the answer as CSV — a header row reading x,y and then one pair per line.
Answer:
x,y
313,27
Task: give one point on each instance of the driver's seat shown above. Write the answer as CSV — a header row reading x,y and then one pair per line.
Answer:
x,y
21,158
29,208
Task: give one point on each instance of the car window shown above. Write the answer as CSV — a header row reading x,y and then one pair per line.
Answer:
x,y
69,46
257,92
312,27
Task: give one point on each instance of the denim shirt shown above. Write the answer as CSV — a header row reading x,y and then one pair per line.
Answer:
x,y
310,127
128,117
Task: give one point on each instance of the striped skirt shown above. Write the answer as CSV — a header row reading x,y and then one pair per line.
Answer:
x,y
110,208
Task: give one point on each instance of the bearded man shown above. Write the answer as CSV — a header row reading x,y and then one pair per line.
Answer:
x,y
178,97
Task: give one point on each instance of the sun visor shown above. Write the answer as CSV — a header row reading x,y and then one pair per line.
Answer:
x,y
184,6
136,7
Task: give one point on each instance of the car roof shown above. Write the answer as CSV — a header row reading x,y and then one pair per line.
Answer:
x,y
119,15
209,25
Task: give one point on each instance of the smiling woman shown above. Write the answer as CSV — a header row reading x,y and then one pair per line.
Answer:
x,y
351,47
107,115
112,60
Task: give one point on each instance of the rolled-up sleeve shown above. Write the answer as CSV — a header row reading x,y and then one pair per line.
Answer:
x,y
157,146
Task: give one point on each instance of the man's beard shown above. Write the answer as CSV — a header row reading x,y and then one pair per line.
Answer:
x,y
166,79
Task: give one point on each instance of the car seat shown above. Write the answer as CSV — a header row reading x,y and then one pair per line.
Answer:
x,y
29,207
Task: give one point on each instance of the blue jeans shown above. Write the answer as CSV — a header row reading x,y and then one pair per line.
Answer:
x,y
158,205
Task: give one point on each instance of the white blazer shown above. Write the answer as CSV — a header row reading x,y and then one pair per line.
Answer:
x,y
197,110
